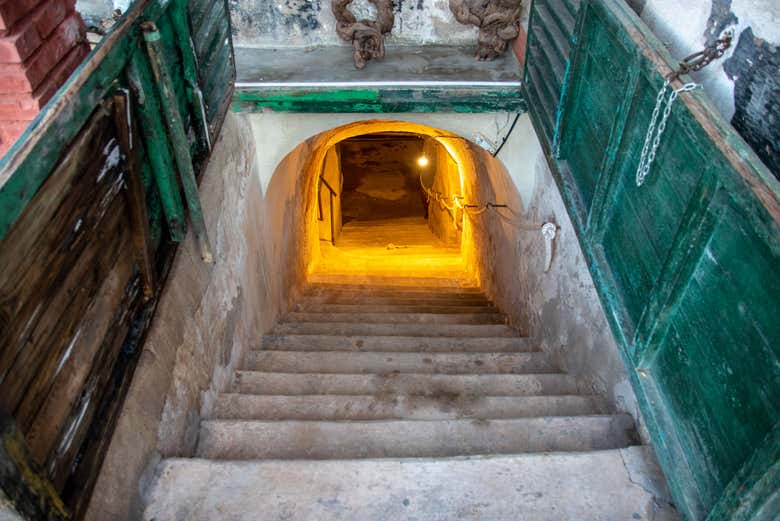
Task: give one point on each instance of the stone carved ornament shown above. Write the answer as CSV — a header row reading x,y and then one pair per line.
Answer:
x,y
366,36
498,22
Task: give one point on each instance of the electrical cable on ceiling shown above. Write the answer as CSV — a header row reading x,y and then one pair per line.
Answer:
x,y
506,137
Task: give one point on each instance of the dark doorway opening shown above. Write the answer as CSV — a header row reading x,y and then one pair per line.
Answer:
x,y
381,177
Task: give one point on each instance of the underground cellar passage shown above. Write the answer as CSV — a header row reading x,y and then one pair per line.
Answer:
x,y
382,207
395,347
323,282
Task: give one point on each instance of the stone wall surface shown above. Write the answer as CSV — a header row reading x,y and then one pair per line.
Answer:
x,y
330,204
491,238
566,316
559,308
291,23
442,178
381,178
208,316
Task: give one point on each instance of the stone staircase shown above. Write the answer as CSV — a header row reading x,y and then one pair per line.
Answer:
x,y
401,383
361,386
396,390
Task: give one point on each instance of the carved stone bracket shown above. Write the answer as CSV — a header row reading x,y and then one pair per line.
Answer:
x,y
498,22
366,36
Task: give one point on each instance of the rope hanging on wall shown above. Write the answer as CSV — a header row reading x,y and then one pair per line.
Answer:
x,y
498,22
366,36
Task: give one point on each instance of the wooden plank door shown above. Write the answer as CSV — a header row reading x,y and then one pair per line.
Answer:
x,y
91,210
687,265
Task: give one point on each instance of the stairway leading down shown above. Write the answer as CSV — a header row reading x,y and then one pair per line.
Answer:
x,y
406,399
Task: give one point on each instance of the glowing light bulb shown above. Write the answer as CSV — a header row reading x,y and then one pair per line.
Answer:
x,y
422,161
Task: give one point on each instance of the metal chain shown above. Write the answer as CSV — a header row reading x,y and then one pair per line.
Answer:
x,y
644,166
649,152
694,62
699,60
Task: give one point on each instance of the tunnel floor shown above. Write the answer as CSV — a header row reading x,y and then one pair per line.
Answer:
x,y
386,248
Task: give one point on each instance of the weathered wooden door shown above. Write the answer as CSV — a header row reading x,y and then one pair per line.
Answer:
x,y
687,264
91,208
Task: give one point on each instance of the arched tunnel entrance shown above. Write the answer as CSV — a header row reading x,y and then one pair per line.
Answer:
x,y
390,204
355,182
394,198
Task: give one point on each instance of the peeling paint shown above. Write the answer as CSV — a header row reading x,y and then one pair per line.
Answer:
x,y
68,351
755,68
721,18
305,23
112,155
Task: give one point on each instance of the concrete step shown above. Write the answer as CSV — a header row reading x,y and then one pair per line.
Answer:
x,y
384,232
411,243
381,362
397,344
408,221
314,288
440,406
396,318
353,298
372,267
390,308
365,244
298,383
230,439
612,485
366,237
400,223
431,330
388,280
419,254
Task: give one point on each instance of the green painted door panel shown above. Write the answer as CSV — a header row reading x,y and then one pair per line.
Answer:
x,y
198,49
213,47
637,226
715,366
687,265
551,27
592,105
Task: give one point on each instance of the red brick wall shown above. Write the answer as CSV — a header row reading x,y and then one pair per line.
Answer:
x,y
41,43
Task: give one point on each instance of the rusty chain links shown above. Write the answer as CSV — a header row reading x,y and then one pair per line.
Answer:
x,y
701,59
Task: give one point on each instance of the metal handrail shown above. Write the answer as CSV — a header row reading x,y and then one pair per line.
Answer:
x,y
332,192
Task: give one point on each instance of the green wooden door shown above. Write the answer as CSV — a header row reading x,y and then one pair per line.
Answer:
x,y
213,45
687,265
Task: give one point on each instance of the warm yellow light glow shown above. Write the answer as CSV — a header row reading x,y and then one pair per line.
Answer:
x,y
318,146
395,247
422,161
